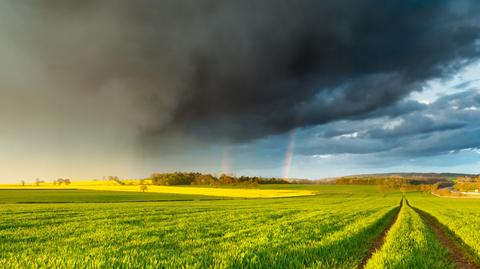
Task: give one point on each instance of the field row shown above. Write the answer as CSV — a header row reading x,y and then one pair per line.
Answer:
x,y
329,231
411,244
442,234
333,229
461,216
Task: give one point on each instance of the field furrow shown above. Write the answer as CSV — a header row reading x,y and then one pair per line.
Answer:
x,y
329,231
411,244
461,217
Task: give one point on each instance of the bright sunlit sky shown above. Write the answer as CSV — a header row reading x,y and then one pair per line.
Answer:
x,y
298,89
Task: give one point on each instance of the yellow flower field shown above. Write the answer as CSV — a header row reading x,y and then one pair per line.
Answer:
x,y
114,186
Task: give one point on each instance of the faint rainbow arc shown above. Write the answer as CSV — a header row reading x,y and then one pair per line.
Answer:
x,y
226,166
287,163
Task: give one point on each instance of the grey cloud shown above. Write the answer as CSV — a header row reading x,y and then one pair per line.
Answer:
x,y
466,84
236,70
400,108
449,124
441,143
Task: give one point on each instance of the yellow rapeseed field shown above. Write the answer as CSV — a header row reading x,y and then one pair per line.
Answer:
x,y
104,185
240,193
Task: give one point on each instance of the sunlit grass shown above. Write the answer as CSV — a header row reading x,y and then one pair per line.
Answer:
x,y
90,196
325,231
410,244
462,216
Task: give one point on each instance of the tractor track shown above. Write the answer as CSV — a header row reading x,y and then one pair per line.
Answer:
x,y
462,257
460,254
380,239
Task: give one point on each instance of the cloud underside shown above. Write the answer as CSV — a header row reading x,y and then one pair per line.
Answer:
x,y
239,70
122,79
449,125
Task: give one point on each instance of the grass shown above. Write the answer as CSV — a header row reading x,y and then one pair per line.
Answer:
x,y
461,216
329,230
89,196
410,244
333,226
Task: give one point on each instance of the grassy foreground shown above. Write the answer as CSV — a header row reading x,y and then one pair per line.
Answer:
x,y
91,196
334,228
461,216
329,230
410,244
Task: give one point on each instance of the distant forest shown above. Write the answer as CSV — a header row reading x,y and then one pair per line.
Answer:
x,y
412,181
193,178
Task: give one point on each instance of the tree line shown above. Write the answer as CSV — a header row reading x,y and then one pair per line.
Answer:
x,y
386,184
194,178
467,184
392,182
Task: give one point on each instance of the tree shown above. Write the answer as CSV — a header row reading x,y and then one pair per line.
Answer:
x,y
466,184
67,181
253,184
22,182
383,188
38,181
434,188
113,178
143,188
204,179
226,179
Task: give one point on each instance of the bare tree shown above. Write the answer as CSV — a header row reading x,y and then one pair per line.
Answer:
x,y
383,188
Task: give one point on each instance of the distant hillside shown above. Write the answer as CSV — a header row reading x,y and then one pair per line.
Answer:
x,y
410,178
445,176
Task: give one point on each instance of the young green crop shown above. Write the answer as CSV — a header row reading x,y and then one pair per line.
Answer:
x,y
90,196
325,231
461,216
410,244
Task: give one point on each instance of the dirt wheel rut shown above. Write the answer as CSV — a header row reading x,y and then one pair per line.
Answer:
x,y
380,239
459,255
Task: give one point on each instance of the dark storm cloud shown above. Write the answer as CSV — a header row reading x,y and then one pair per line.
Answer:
x,y
400,108
242,69
403,107
450,124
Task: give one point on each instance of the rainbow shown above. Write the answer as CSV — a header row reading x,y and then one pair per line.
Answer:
x,y
226,167
287,163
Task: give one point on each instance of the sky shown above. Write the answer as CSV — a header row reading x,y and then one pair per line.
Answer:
x,y
276,88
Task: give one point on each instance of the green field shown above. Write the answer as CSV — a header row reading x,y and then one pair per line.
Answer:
x,y
410,244
89,196
336,228
460,216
